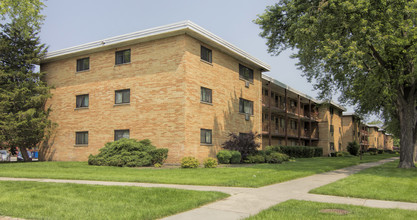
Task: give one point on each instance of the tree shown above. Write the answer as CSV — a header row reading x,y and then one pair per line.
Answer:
x,y
23,116
245,143
366,50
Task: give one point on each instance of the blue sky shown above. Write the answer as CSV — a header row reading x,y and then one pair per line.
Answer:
x,y
72,22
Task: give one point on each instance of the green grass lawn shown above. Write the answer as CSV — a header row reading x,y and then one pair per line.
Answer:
x,y
294,209
34,200
247,176
384,182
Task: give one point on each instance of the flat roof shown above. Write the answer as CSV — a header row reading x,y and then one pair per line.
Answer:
x,y
183,27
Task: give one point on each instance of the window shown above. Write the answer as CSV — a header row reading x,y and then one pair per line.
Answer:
x,y
206,54
122,56
331,146
266,92
293,124
331,129
331,110
81,138
245,73
282,123
119,134
205,136
245,106
206,95
122,96
83,64
81,101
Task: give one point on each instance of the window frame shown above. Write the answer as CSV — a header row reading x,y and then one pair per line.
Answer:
x,y
242,69
210,97
77,133
242,102
204,132
208,53
123,92
121,130
80,65
80,96
123,60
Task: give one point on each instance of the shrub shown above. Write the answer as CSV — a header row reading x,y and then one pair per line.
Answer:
x,y
270,149
372,149
246,144
157,165
276,157
258,158
210,163
380,151
339,154
345,154
224,156
333,154
353,148
159,155
318,151
128,152
298,151
189,162
236,157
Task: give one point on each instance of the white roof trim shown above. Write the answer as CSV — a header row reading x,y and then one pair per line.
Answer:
x,y
175,29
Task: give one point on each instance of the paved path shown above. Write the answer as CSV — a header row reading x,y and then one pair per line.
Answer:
x,y
244,202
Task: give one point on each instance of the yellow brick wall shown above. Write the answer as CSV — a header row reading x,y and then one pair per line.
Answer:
x,y
164,78
222,116
373,137
350,131
325,136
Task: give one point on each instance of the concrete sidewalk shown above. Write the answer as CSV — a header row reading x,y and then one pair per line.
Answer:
x,y
244,202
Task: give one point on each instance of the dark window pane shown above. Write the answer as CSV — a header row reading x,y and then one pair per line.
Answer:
x,y
83,64
206,54
245,73
122,96
206,95
205,136
119,134
245,106
123,56
81,137
82,101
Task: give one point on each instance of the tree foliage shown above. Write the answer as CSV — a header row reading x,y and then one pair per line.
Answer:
x,y
23,94
366,50
246,144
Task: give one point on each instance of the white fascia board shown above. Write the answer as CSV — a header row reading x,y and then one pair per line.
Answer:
x,y
158,33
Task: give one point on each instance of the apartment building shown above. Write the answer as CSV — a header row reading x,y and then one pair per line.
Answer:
x,y
331,127
364,136
373,136
388,142
291,118
178,85
351,128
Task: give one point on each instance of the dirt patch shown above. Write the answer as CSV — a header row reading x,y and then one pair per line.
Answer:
x,y
335,211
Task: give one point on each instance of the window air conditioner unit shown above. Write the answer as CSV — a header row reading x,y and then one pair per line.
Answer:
x,y
247,84
247,117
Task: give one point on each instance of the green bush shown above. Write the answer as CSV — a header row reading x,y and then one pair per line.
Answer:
x,y
159,155
189,162
224,156
318,151
372,149
276,157
373,153
380,151
210,163
128,152
353,148
333,154
298,151
339,154
236,157
258,158
270,149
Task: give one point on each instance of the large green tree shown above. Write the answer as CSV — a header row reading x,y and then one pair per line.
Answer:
x,y
23,116
364,49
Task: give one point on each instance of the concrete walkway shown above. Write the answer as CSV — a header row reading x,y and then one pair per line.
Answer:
x,y
244,202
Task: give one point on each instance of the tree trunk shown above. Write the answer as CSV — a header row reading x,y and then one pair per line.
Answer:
x,y
406,112
25,155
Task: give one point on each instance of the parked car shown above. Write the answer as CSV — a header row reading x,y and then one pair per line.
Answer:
x,y
4,155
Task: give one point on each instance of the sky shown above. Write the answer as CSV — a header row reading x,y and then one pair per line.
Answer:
x,y
73,22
